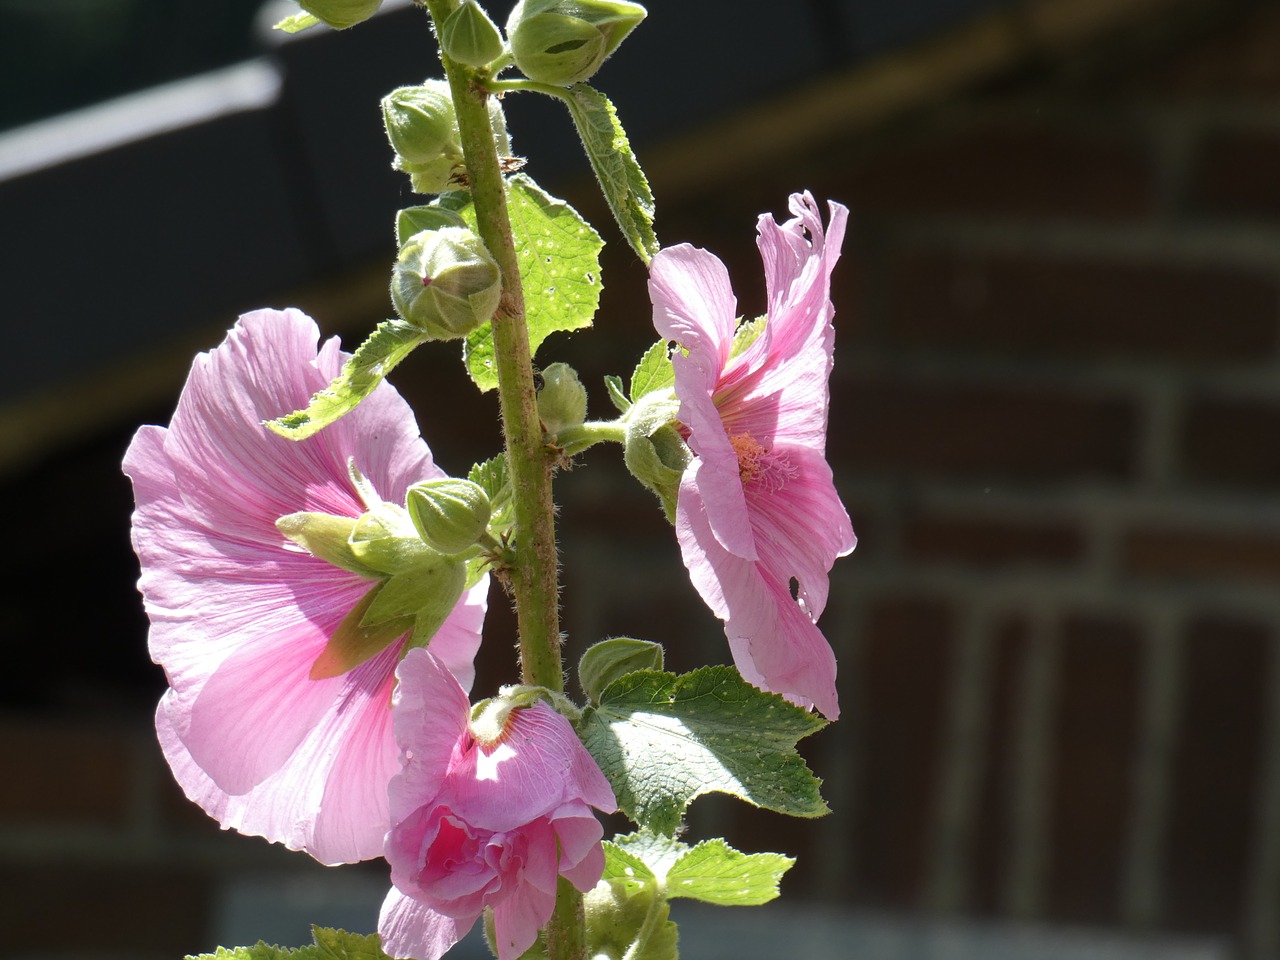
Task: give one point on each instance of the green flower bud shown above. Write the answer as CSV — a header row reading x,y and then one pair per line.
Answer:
x,y
446,283
423,129
470,37
562,401
450,514
341,14
564,42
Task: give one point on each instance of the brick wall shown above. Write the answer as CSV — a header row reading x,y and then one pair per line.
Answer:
x,y
1054,422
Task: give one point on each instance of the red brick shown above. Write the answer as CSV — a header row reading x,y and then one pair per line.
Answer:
x,y
900,702
1184,553
1094,747
69,909
1227,440
68,773
1017,168
1216,776
1081,308
1234,175
989,542
976,431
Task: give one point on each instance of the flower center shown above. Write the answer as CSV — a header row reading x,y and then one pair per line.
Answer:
x,y
758,466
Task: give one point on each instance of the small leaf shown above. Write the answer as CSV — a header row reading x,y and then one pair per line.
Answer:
x,y
621,180
714,872
663,740
328,944
653,372
617,395
296,23
559,257
606,661
432,216
389,343
491,476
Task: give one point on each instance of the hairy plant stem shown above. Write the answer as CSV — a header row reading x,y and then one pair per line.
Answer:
x,y
535,569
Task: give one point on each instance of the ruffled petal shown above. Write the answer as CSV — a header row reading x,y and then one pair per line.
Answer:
x,y
411,930
430,711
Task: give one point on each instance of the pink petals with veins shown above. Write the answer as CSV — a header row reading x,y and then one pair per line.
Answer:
x,y
758,518
239,613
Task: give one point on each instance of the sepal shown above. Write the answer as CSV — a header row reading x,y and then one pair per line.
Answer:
x,y
341,14
563,42
562,399
446,283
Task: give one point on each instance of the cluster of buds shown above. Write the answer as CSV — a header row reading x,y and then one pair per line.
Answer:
x,y
423,130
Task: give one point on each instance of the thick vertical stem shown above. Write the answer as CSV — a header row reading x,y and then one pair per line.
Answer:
x,y
535,570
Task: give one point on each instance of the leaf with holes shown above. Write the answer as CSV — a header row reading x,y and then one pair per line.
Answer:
x,y
559,257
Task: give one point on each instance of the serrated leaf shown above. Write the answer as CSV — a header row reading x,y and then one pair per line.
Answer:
x,y
296,23
711,871
559,257
621,180
654,371
663,740
327,944
492,477
714,872
389,343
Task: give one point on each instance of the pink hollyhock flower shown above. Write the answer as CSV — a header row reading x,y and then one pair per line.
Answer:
x,y
483,824
757,515
240,614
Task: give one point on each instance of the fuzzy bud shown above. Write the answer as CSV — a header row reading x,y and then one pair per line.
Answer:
x,y
563,42
450,514
562,401
470,37
341,14
446,283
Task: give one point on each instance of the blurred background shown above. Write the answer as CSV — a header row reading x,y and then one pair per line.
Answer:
x,y
1055,422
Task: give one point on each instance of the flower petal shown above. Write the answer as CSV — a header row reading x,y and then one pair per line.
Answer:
x,y
410,928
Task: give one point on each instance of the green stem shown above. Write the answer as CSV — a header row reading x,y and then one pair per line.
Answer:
x,y
567,932
535,570
516,86
573,440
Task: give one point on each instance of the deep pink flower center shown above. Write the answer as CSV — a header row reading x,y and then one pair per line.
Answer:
x,y
759,466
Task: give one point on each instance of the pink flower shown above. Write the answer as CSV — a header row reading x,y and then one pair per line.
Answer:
x,y
239,614
757,516
483,825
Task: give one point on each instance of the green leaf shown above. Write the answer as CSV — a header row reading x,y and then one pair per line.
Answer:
x,y
606,661
431,216
653,372
559,257
621,180
389,343
618,396
663,740
328,944
491,476
746,334
714,872
296,23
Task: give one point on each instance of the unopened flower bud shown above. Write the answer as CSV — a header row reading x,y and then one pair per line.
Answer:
x,y
446,283
450,514
341,14
562,400
423,129
470,37
564,41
